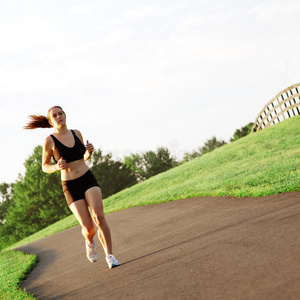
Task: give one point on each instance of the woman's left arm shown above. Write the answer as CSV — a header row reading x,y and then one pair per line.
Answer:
x,y
89,150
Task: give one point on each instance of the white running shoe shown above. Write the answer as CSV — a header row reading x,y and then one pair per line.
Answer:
x,y
91,252
112,261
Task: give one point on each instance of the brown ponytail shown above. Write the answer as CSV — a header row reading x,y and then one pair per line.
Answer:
x,y
39,121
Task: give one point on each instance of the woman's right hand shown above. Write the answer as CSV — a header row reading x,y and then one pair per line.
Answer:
x,y
61,164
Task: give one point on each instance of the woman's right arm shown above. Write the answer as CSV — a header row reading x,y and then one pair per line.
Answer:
x,y
47,154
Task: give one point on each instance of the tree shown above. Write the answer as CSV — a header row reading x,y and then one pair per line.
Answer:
x,y
190,156
6,200
136,164
150,163
113,176
5,203
239,133
210,145
158,162
38,200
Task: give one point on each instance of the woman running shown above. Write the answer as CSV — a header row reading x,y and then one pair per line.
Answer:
x,y
80,187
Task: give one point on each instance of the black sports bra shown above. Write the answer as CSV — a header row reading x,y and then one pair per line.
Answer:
x,y
70,153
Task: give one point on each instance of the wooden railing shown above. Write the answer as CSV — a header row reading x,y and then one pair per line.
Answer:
x,y
283,106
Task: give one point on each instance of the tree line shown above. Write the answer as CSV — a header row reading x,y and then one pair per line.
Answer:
x,y
36,200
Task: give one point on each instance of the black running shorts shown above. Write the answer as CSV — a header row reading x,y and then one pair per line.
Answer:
x,y
75,189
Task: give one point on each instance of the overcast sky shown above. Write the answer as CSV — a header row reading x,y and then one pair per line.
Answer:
x,y
136,75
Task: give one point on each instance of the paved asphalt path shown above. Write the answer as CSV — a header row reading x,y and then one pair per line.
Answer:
x,y
200,248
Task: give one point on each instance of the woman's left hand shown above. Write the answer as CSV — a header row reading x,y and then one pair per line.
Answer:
x,y
89,147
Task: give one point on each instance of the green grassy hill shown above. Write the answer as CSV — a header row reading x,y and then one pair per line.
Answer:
x,y
263,163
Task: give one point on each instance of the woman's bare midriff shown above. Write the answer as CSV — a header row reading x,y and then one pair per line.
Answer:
x,y
74,170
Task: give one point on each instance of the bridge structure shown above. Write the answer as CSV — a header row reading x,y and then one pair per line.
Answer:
x,y
284,105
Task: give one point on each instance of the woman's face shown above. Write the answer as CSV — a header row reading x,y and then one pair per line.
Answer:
x,y
58,117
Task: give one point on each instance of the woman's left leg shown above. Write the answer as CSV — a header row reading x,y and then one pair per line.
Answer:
x,y
93,197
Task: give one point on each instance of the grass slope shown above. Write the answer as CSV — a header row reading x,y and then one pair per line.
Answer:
x,y
260,164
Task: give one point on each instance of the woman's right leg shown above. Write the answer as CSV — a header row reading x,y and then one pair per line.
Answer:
x,y
80,209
